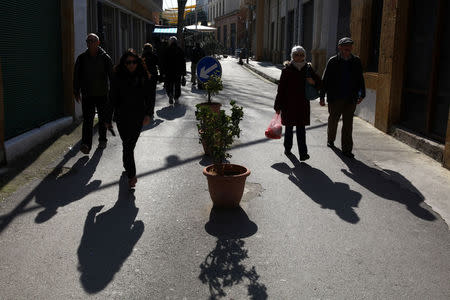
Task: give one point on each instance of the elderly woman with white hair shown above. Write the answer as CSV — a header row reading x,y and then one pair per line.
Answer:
x,y
291,100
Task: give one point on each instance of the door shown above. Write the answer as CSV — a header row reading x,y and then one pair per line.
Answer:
x,y
426,94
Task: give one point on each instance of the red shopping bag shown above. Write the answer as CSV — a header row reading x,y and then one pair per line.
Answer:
x,y
275,128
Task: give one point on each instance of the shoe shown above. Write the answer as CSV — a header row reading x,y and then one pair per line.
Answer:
x,y
102,144
132,182
330,144
85,149
348,154
170,100
304,157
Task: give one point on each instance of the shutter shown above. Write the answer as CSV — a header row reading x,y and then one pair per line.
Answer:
x,y
30,54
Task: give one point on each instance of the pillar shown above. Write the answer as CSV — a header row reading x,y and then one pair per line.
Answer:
x,y
259,30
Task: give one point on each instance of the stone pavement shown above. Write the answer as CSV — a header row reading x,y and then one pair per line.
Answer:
x,y
391,156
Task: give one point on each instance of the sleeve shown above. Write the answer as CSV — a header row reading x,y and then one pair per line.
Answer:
x,y
109,67
362,84
325,80
76,77
114,93
281,93
149,100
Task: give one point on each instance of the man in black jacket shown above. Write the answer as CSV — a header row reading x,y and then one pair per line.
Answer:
x,y
197,54
93,69
174,69
343,83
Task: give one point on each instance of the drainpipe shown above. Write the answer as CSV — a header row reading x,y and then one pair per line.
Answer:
x,y
2,121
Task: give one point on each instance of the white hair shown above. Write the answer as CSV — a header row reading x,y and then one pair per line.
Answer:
x,y
296,50
173,39
94,36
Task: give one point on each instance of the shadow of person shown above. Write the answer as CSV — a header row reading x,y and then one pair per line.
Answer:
x,y
153,123
67,188
321,189
108,239
171,113
387,184
223,267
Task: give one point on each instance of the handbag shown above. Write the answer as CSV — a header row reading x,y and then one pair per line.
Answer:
x,y
311,92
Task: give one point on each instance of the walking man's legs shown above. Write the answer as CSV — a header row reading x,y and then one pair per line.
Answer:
x,y
347,127
288,135
301,141
169,89
193,73
102,109
88,109
177,84
335,111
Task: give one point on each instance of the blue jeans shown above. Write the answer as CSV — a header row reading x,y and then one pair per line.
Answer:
x,y
301,139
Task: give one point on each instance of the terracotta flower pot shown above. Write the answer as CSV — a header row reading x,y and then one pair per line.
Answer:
x,y
215,107
226,190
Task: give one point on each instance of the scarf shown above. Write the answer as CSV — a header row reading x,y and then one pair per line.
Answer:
x,y
297,65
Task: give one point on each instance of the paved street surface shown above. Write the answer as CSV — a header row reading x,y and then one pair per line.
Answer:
x,y
330,228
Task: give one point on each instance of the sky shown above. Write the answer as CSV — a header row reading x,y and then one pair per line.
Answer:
x,y
174,3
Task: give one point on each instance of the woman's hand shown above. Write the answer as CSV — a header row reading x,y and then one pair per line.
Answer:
x,y
311,81
146,121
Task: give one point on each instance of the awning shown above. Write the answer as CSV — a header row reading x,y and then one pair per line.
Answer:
x,y
200,28
165,30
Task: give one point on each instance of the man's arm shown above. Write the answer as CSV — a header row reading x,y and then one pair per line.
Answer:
x,y
362,84
325,82
76,80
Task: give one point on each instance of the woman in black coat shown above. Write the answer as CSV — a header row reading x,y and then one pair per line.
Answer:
x,y
133,106
291,100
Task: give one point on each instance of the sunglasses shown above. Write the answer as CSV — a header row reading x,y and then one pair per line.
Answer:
x,y
299,54
129,62
89,41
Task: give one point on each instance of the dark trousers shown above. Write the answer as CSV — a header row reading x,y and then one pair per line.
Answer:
x,y
346,109
88,106
153,84
301,139
129,131
173,87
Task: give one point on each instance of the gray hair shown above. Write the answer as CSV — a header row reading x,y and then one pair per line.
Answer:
x,y
297,50
173,39
94,36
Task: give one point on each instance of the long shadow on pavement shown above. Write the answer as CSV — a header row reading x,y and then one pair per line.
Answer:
x,y
108,240
172,112
321,189
387,184
68,188
223,267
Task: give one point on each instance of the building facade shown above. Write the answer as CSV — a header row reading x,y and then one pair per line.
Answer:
x,y
38,47
403,45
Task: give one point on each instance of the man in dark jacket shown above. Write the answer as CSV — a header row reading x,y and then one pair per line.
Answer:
x,y
197,54
152,63
93,69
343,83
174,69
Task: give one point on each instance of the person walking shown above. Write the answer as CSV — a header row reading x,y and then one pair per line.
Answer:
x,y
291,100
133,107
174,70
197,54
343,84
92,70
151,62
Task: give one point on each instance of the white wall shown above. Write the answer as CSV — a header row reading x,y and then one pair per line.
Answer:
x,y
80,15
366,110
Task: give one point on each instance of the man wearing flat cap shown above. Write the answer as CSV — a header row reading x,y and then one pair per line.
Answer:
x,y
343,84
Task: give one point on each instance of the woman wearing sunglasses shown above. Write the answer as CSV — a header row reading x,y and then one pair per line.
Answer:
x,y
133,106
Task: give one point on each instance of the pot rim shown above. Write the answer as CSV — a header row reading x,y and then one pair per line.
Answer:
x,y
208,174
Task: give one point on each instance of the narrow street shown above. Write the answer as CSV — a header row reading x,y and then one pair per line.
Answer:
x,y
327,228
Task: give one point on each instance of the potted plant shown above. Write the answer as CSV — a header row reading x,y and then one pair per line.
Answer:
x,y
217,131
213,86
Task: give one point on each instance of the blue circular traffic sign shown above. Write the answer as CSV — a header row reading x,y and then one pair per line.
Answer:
x,y
208,66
